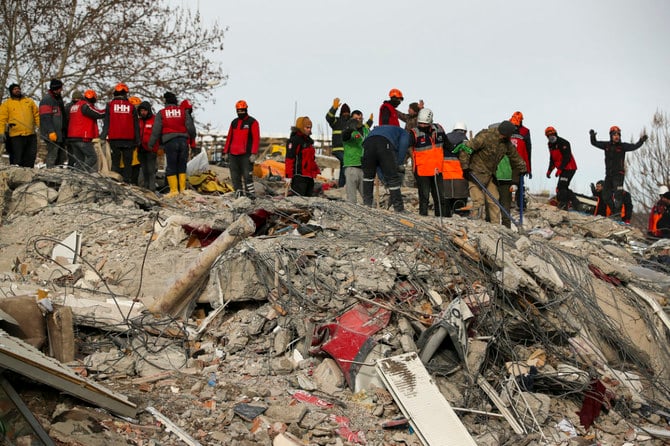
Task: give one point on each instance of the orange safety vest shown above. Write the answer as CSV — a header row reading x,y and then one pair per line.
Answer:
x,y
427,155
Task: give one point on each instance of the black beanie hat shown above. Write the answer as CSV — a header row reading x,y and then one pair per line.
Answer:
x,y
506,128
170,98
345,109
12,86
55,84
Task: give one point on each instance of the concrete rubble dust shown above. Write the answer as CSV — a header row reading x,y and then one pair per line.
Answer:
x,y
551,334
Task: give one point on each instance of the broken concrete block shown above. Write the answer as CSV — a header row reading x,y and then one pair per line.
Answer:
x,y
287,439
328,376
286,413
282,366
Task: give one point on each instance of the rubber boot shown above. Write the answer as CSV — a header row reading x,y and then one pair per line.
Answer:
x,y
174,188
182,183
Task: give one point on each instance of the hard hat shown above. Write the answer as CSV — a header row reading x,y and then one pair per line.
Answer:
x,y
241,104
615,129
461,126
121,87
516,118
186,105
663,189
395,93
135,100
90,94
550,131
425,116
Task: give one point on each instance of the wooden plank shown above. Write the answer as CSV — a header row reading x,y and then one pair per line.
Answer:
x,y
26,360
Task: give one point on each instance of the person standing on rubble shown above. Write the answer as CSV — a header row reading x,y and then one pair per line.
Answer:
x,y
338,124
410,118
388,115
20,116
352,138
385,148
300,162
561,159
427,143
241,150
147,154
172,128
602,208
521,140
187,106
53,123
479,159
615,166
82,130
659,217
121,129
455,185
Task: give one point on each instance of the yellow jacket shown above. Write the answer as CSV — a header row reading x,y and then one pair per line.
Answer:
x,y
21,115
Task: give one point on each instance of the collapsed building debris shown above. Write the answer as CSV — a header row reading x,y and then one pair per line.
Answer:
x,y
527,335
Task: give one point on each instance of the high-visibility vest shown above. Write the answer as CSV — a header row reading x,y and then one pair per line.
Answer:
x,y
427,155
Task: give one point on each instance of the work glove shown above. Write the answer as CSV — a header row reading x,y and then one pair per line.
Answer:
x,y
2,138
592,132
644,138
548,173
253,157
160,151
530,176
336,103
287,180
372,117
53,136
558,173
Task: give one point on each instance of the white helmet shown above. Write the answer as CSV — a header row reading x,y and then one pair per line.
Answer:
x,y
425,116
460,125
663,189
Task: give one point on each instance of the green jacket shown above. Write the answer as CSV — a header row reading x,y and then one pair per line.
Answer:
x,y
353,146
488,149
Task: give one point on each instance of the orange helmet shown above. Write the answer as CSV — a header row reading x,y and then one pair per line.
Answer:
x,y
615,129
90,94
550,131
135,100
516,118
121,87
395,93
241,105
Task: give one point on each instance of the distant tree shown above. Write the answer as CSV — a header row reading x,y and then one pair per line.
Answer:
x,y
147,44
649,167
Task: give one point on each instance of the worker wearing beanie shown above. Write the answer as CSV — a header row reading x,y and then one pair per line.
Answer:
x,y
615,165
53,123
479,159
561,159
20,116
172,128
147,154
121,130
241,150
301,167
338,124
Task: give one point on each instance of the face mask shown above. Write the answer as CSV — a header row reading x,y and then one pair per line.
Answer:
x,y
553,139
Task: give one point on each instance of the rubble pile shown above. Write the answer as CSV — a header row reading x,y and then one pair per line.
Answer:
x,y
326,322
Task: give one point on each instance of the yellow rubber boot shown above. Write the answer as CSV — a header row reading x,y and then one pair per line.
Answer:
x,y
182,184
174,188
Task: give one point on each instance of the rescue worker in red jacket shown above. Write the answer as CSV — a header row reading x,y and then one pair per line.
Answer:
x,y
188,107
615,165
301,167
521,140
121,130
82,130
388,115
241,150
659,217
147,154
426,142
172,128
561,159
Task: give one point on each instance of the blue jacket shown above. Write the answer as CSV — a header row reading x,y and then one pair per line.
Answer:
x,y
397,136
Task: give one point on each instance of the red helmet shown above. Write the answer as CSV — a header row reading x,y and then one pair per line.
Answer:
x,y
615,129
516,118
241,105
90,94
550,131
395,93
186,105
121,87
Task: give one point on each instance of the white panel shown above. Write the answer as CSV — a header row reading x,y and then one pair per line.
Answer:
x,y
429,413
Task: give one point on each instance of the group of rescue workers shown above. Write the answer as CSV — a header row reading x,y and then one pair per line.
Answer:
x,y
447,167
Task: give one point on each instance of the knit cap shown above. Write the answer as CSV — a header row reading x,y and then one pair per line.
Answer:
x,y
55,84
345,109
170,98
302,122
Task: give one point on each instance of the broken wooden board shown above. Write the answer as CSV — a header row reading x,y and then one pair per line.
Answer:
x,y
420,400
28,361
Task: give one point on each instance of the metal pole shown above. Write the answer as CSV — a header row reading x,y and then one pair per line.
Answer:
x,y
497,203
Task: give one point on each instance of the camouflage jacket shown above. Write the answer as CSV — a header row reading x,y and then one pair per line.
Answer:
x,y
487,148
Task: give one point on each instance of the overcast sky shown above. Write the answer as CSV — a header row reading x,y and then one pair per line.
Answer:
x,y
571,64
